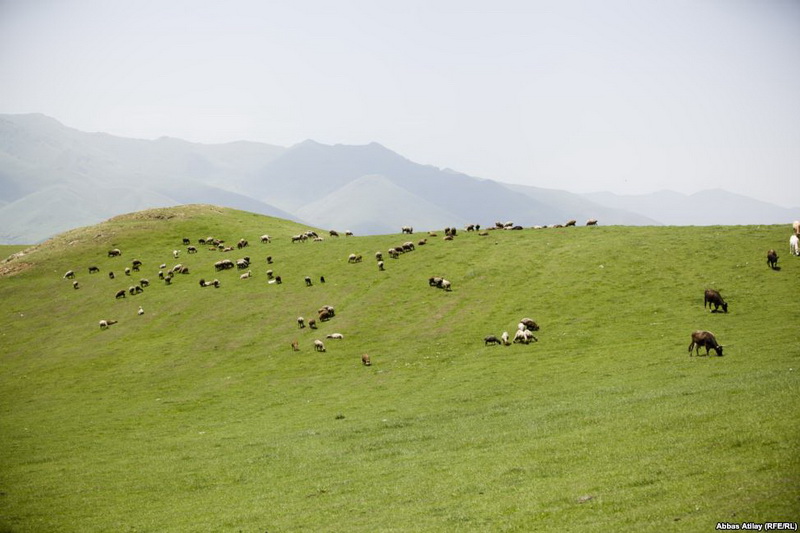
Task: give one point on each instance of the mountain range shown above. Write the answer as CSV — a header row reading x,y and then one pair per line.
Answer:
x,y
54,178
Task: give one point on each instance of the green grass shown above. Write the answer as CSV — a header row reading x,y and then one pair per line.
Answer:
x,y
197,416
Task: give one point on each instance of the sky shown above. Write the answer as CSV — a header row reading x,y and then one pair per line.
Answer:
x,y
629,97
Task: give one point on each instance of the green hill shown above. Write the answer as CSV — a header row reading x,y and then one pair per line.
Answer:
x,y
198,415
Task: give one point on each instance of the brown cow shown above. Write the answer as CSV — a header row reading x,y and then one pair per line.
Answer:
x,y
714,298
704,339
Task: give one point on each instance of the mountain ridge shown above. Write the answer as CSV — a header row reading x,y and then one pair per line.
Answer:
x,y
308,182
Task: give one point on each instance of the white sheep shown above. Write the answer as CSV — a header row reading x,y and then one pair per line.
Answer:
x,y
140,312
334,336
504,338
794,245
796,227
69,274
246,275
105,323
445,285
175,253
319,346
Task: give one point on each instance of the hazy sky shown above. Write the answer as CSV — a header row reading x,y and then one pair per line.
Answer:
x,y
625,96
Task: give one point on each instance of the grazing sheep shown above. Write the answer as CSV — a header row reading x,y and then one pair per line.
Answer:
x,y
120,294
704,339
353,258
327,309
319,345
246,274
365,360
333,233
93,270
591,222
114,253
301,322
529,324
183,270
445,285
168,278
772,259
407,229
191,250
76,285
269,259
278,280
243,263
308,281
105,323
334,336
524,336
144,282
140,312
325,315
504,338
378,256
242,243
794,245
186,241
422,242
348,233
69,274
265,239
127,271
175,253
435,281
269,274
312,323
571,223
110,275
380,265
796,227
491,339
136,264
160,274
204,283
295,346
135,289
322,279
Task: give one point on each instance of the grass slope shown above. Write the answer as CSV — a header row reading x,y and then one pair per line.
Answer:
x,y
197,415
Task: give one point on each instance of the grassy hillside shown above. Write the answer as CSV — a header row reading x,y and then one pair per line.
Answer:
x,y
198,416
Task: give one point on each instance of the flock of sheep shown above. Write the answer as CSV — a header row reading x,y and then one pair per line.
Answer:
x,y
522,335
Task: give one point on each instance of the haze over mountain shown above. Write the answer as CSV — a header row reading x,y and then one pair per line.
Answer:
x,y
53,178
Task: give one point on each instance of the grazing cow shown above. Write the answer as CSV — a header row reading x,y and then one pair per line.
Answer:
x,y
365,360
714,298
704,339
794,245
491,339
772,259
